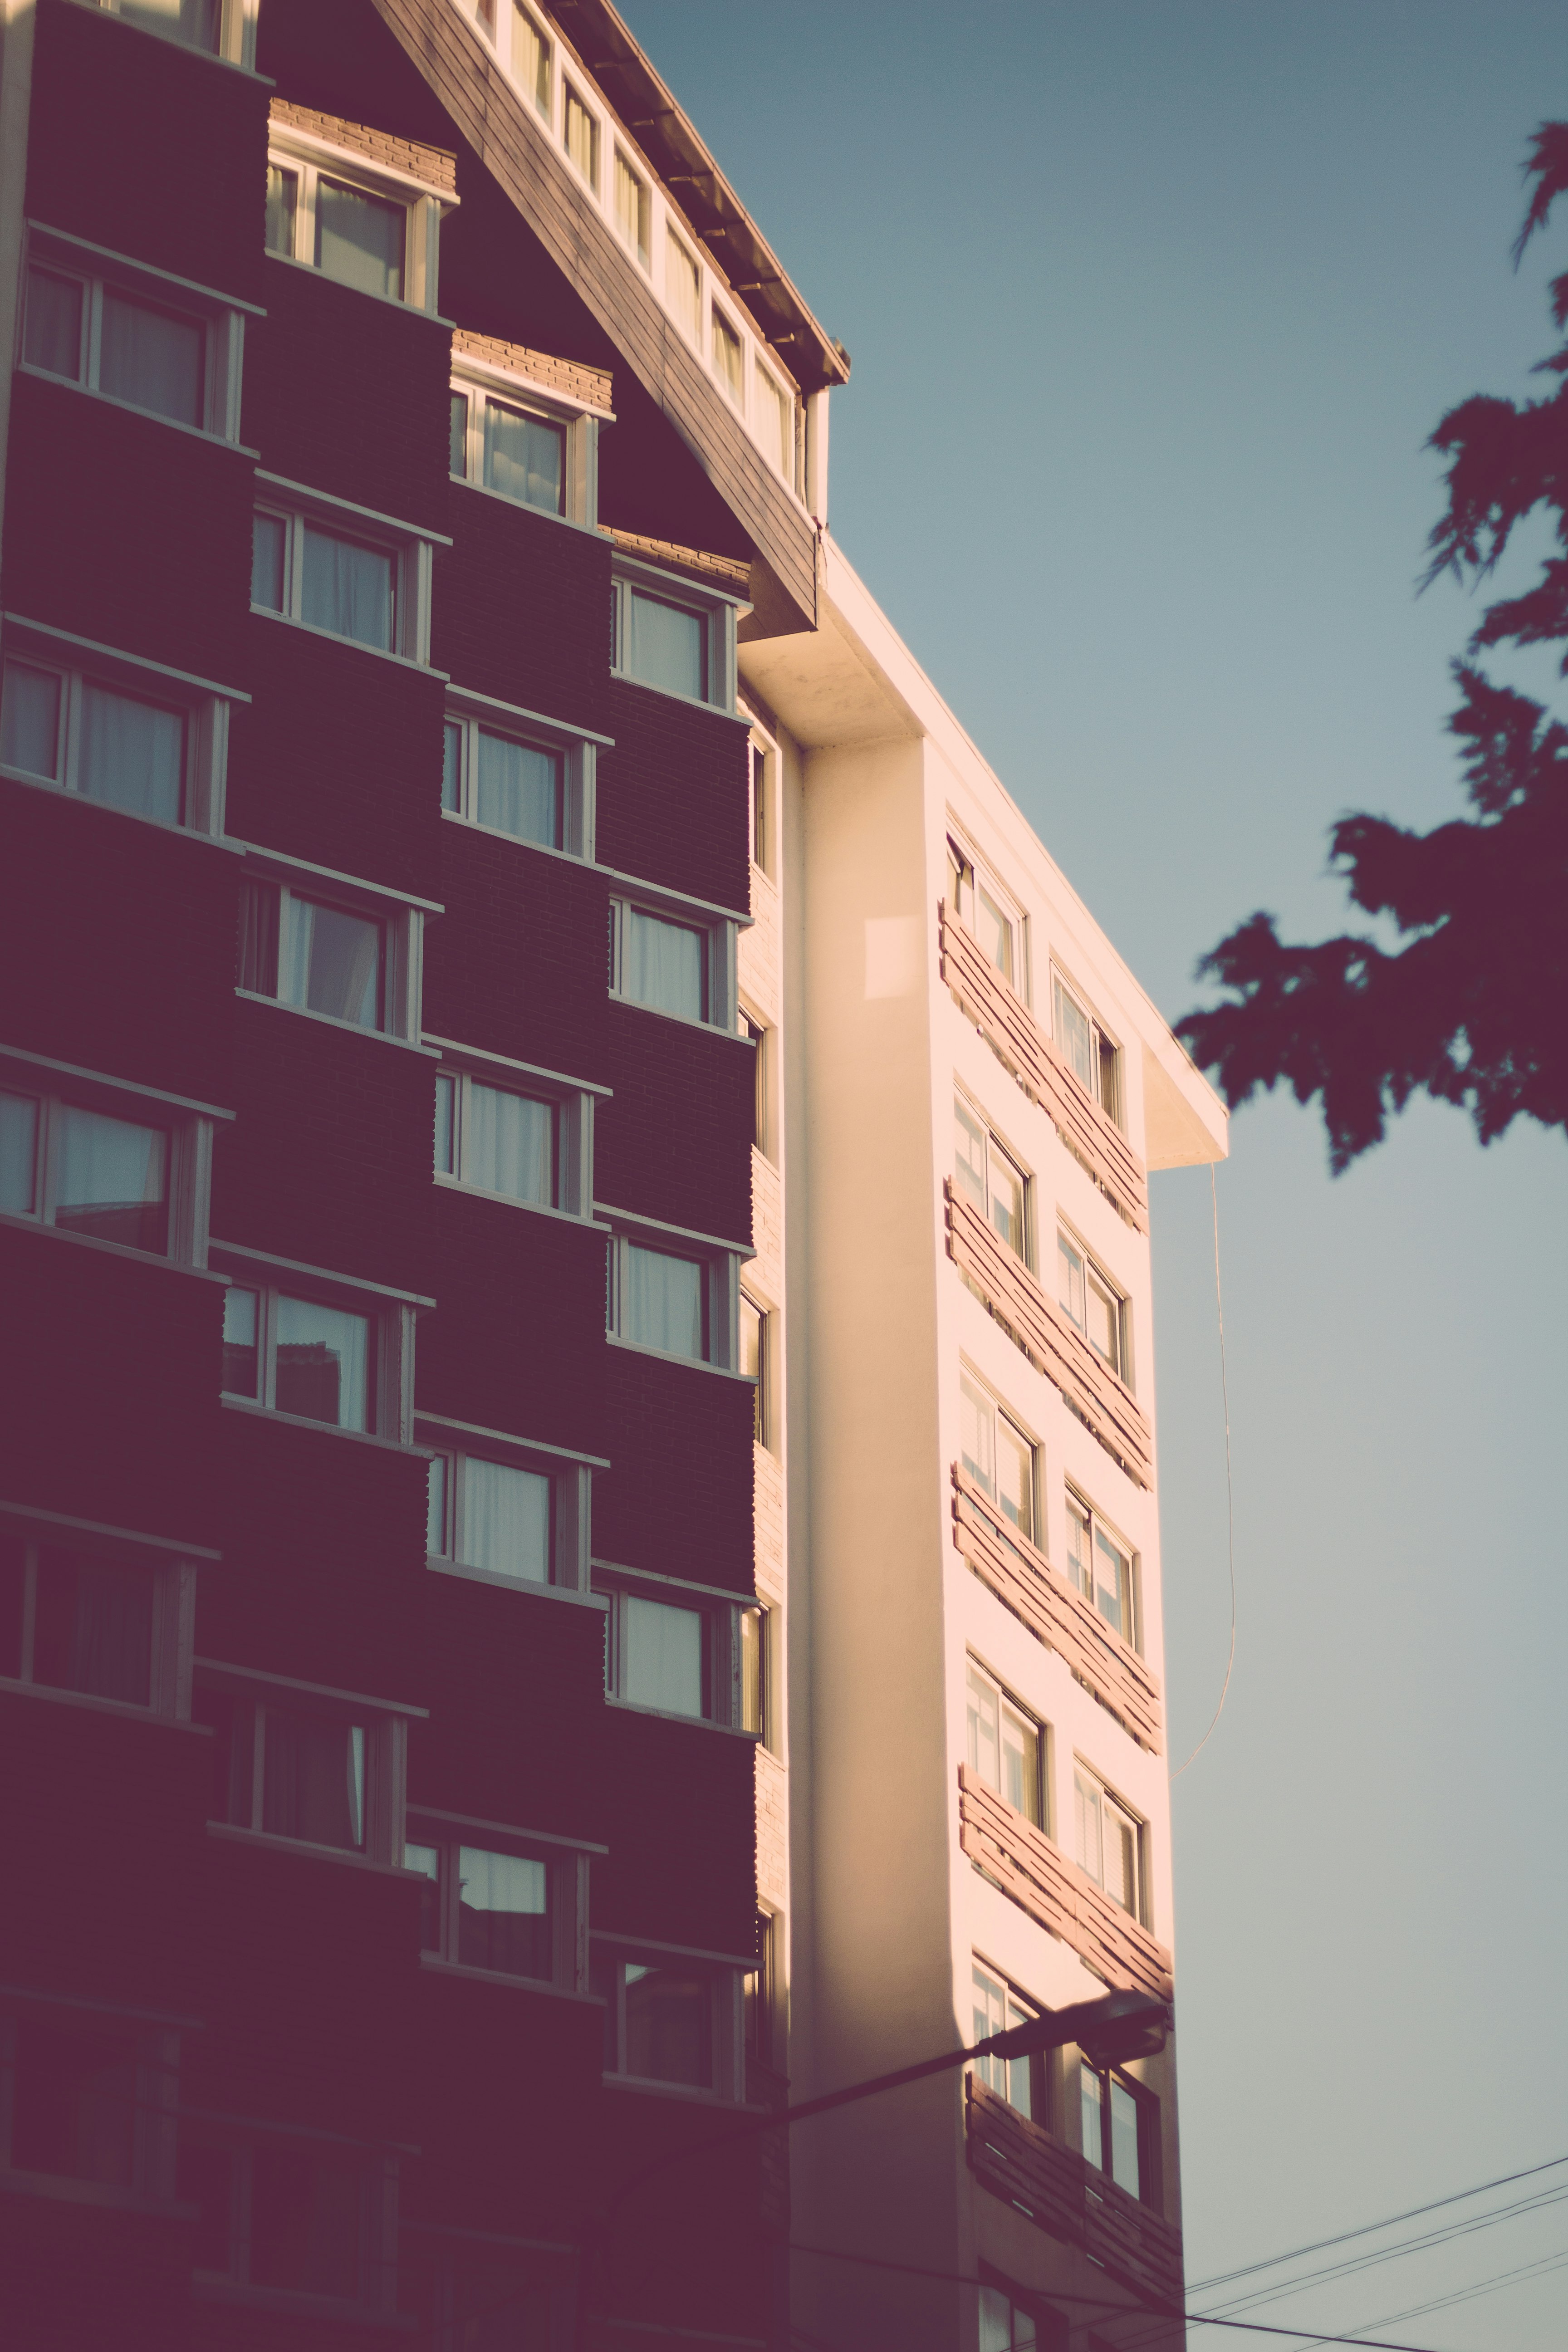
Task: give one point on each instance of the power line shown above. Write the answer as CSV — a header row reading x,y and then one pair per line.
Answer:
x,y
1544,2264
1229,1492
1424,2244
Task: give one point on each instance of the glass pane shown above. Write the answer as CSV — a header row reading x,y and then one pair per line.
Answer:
x,y
1006,1201
664,965
774,422
282,203
452,767
976,1418
332,963
19,1153
193,22
1070,1280
509,1145
1121,1841
1073,1037
531,58
1104,1324
631,209
663,1303
994,933
753,1363
753,1696
1015,1466
668,646
1091,2117
305,2207
74,2105
348,589
1004,2327
1110,1080
360,238
133,754
269,541
153,359
506,1520
457,453
93,1629
661,1655
985,1729
969,1153
110,1179
525,457
1124,2167
446,1125
518,790
989,2017
241,1358
503,1914
1020,2071
1087,1819
258,937
1079,1567
313,1778
30,719
669,2026
436,1508
426,1860
53,333
1021,1765
322,1366
582,134
682,284
1112,1584
727,357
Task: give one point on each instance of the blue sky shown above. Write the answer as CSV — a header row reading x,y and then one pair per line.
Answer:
x,y
1152,308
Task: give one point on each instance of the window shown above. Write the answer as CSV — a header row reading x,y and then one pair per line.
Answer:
x,y
754,1362
990,1176
1006,2325
87,2098
758,1037
1121,2126
978,903
1091,1302
492,1516
531,57
316,1767
759,1994
669,2019
196,24
1004,1746
517,451
297,2216
142,743
315,1358
580,136
1109,1842
377,237
678,643
757,781
683,285
996,2008
316,954
1094,1061
104,1624
349,586
83,1172
754,1659
997,1455
495,1140
669,966
1101,1567
505,783
687,1651
632,208
131,345
729,358
774,418
487,1910
661,1300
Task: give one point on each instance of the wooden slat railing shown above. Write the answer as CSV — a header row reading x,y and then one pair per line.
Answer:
x,y
1018,2160
1012,1032
1023,1581
1056,1893
1051,1343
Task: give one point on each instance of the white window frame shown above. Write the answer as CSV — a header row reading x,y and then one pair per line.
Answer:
x,y
1018,2009
236,36
1009,1703
724,1698
481,385
570,1479
1097,1521
573,93
687,247
995,1142
384,1723
1111,1290
95,268
572,1100
578,751
79,663
721,928
1036,1533
721,1260
774,389
764,1382
970,876
567,1862
311,158
172,1577
1146,2106
724,1972
402,922
412,551
390,1340
1102,1044
1086,1779
722,612
719,323
764,795
56,1087
506,52
641,246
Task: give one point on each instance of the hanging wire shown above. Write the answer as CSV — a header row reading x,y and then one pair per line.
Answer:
x,y
1229,1489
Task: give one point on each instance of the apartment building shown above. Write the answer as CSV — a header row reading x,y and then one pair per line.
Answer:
x,y
571,1566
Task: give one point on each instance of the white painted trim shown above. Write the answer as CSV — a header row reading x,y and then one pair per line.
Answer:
x,y
449,1046
354,1028
479,705
316,1273
302,495
137,268
113,653
285,859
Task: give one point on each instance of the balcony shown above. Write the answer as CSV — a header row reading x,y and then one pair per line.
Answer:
x,y
1022,2164
1053,1345
1016,1038
1022,1578
1058,1896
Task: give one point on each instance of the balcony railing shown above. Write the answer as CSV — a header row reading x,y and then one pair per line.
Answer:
x,y
1058,1894
1024,1581
1051,1343
1020,2162
1012,1032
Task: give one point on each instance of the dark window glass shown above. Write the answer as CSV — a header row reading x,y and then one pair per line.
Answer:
x,y
19,1153
452,767
503,1915
457,458
668,645
426,1860
133,754
203,2177
321,1368
30,720
669,2025
332,962
13,1595
151,359
93,1629
269,540
258,937
604,1982
525,457
360,238
231,1748
313,1778
241,1356
305,2221
111,1180
74,2111
518,790
53,334
283,200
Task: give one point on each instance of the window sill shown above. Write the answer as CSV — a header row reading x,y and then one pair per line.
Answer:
x,y
690,2094
133,408
459,1567
85,800
697,1722
302,1421
521,506
664,1356
236,1833
685,1020
465,1972
391,301
207,2288
354,1028
354,645
673,694
518,840
510,1200
126,1707
114,1249
186,49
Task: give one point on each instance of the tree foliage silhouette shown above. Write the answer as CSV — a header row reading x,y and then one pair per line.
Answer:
x,y
1471,1005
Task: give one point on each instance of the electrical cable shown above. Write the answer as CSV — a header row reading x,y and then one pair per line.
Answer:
x,y
1229,1490
1423,2244
1539,2267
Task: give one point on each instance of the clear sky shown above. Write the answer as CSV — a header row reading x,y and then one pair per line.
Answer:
x,y
1152,308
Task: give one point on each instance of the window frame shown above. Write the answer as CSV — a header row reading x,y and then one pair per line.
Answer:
x,y
376,2248
571,1478
724,1973
722,329
384,1722
763,1381
1009,1703
719,929
1076,1499
410,547
995,1143
401,921
774,391
482,386
572,1100
686,247
981,1389
641,246
1019,2008
78,664
1104,1049
1087,1779
544,107
389,1352
1117,1299
476,714
762,2026
311,158
722,1293
151,2052
969,879
720,609
172,1576
572,96
98,270
235,31
567,1862
1146,2107
723,1658
188,1127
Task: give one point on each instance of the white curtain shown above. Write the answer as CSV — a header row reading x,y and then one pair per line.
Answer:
x,y
324,1363
347,589
506,1520
334,962
664,965
661,1655
524,457
133,754
509,1146
519,790
360,240
663,1302
110,1177
194,21
147,357
53,338
669,646
18,1152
